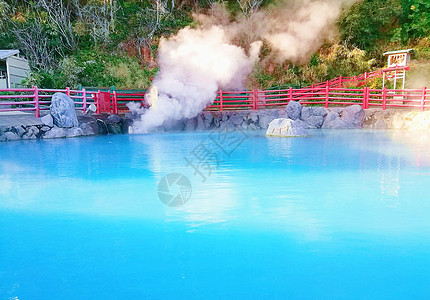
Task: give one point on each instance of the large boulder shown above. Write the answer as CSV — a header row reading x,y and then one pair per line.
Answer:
x,y
354,115
294,110
344,118
286,128
63,111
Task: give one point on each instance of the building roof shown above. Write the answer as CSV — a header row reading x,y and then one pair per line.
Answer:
x,y
399,51
6,53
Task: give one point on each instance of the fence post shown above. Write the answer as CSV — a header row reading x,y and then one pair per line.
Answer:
x,y
423,98
115,103
98,102
340,81
384,98
365,98
365,77
291,95
36,101
68,91
220,100
84,101
327,94
255,99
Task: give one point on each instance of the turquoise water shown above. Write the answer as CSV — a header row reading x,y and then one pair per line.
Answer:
x,y
338,215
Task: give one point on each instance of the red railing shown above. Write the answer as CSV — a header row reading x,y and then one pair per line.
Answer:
x,y
366,97
37,100
332,92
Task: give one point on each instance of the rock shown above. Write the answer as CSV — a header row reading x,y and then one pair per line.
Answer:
x,y
45,128
200,123
11,136
190,124
31,133
380,124
354,115
285,128
318,111
397,122
306,113
315,121
236,119
63,111
294,110
19,130
102,127
74,132
331,119
114,119
92,108
47,120
2,137
114,128
55,132
313,116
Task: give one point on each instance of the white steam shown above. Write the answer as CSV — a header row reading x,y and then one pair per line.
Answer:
x,y
194,65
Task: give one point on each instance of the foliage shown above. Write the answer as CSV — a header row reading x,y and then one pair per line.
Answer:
x,y
96,69
368,22
415,21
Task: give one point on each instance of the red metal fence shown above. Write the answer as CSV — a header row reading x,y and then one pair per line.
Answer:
x,y
37,100
331,92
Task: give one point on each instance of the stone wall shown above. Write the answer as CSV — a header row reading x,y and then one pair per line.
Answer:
x,y
309,118
397,119
87,125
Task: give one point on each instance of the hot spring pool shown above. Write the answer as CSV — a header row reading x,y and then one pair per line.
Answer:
x,y
338,215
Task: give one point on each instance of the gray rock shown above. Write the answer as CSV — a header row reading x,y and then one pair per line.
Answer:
x,y
45,128
114,119
315,121
264,120
331,119
29,136
55,132
353,115
200,123
19,130
32,133
92,108
306,113
114,128
380,124
11,136
47,120
236,119
102,127
63,111
302,123
294,110
318,111
286,128
74,132
2,137
253,117
190,124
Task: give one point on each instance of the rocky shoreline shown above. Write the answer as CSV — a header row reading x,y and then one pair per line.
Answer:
x,y
63,122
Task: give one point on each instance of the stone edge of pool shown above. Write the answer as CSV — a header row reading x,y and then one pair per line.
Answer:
x,y
26,126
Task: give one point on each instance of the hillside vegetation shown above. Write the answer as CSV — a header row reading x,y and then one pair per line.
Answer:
x,y
103,43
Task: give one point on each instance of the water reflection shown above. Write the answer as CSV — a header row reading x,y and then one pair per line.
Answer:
x,y
310,187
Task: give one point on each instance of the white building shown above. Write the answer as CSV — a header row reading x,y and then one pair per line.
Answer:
x,y
13,69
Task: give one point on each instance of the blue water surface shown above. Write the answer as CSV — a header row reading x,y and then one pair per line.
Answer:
x,y
337,215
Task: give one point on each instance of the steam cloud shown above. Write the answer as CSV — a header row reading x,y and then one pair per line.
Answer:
x,y
196,63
